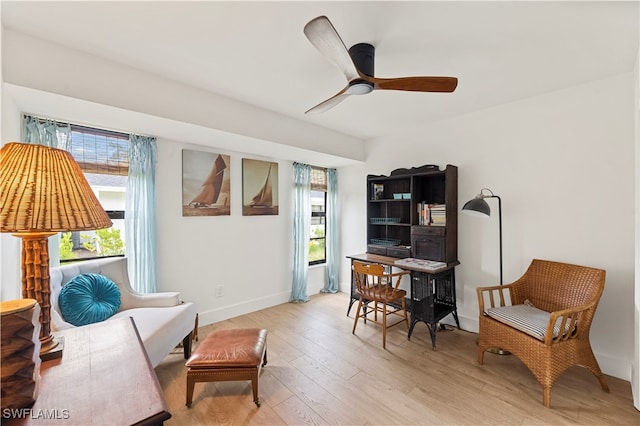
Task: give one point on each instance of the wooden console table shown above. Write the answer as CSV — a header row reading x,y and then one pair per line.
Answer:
x,y
432,295
103,378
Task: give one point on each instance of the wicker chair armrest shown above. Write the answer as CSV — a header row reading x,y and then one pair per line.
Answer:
x,y
489,293
568,319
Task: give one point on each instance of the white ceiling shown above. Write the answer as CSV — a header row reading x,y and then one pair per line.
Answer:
x,y
257,53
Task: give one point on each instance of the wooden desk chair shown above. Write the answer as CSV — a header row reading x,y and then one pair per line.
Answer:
x,y
547,323
375,287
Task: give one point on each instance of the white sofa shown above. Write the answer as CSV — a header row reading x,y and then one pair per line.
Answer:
x,y
162,319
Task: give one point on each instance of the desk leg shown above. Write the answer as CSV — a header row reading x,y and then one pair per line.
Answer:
x,y
414,320
455,304
351,302
352,297
431,327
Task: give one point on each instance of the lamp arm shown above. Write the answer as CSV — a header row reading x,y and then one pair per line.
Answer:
x,y
487,196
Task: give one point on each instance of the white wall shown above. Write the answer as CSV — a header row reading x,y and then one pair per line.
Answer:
x,y
250,256
563,164
82,76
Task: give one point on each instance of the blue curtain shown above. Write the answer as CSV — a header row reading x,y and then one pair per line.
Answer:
x,y
46,132
140,219
332,278
53,134
301,230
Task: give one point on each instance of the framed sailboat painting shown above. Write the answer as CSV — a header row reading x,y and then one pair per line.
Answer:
x,y
259,187
206,184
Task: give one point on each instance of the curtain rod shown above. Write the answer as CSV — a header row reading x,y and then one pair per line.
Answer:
x,y
95,129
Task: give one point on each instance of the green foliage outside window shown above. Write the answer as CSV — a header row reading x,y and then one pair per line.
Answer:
x,y
66,247
317,247
107,242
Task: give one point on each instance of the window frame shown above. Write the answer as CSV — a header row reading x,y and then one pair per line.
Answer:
x,y
319,184
324,215
112,214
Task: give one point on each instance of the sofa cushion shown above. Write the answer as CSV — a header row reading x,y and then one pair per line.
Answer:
x,y
161,328
526,318
89,298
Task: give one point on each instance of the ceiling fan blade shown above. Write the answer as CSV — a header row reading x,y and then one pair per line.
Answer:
x,y
329,103
415,84
325,38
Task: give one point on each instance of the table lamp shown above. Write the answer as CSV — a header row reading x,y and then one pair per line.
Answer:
x,y
42,192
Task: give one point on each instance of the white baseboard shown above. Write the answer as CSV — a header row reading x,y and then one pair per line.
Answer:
x,y
248,306
616,367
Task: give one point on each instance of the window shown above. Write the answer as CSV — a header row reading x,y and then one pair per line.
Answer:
x,y
317,239
103,156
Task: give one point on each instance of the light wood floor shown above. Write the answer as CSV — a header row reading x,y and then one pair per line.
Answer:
x,y
319,373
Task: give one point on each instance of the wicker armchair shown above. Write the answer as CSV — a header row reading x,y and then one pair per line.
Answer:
x,y
564,298
375,287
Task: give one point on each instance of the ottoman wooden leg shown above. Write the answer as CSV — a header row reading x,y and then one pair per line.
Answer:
x,y
254,385
190,385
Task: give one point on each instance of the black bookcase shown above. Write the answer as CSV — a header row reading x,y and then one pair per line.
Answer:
x,y
414,213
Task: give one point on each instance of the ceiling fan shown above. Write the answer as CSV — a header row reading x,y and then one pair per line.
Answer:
x,y
357,65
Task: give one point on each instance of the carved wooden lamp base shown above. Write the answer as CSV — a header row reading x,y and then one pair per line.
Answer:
x,y
35,285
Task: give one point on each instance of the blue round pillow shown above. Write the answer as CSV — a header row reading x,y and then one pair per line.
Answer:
x,y
88,298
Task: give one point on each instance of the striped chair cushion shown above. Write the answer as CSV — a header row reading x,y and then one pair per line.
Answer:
x,y
527,319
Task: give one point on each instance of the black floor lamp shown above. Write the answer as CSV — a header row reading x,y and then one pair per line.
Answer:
x,y
479,207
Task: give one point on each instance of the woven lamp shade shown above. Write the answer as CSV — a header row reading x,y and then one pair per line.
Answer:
x,y
42,189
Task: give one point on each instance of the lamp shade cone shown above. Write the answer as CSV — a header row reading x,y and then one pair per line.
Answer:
x,y
477,206
42,189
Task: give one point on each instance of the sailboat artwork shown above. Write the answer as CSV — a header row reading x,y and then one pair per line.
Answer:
x,y
205,184
259,187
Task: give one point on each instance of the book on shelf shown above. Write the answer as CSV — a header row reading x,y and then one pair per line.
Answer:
x,y
423,264
432,214
378,191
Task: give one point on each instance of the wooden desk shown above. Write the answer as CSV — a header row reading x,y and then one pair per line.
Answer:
x,y
103,378
432,294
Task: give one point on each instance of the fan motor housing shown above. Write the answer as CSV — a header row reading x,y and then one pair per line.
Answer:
x,y
363,55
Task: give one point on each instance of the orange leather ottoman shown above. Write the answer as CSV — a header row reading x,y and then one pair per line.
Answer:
x,y
228,355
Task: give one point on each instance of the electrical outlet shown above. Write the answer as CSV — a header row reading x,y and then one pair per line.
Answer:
x,y
219,291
